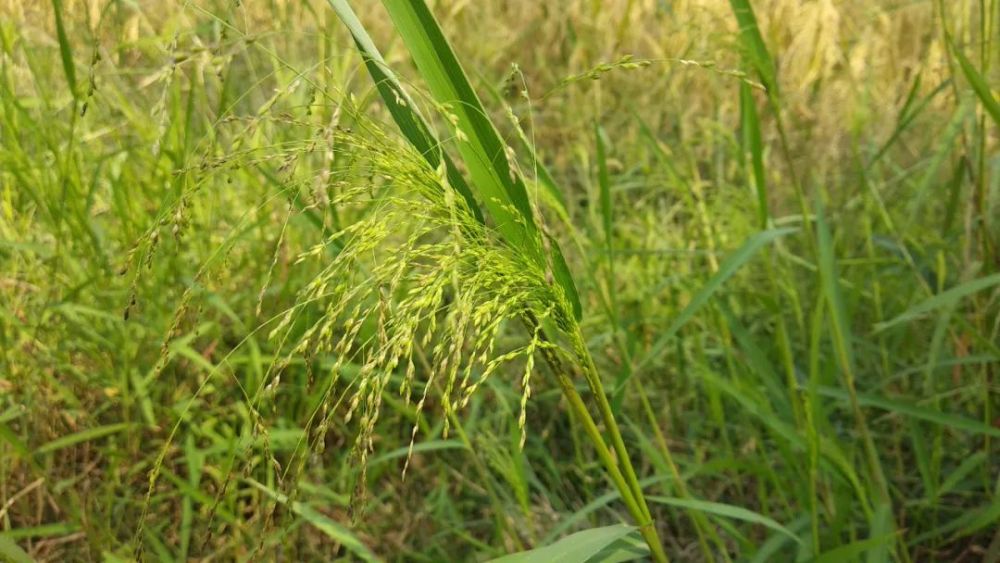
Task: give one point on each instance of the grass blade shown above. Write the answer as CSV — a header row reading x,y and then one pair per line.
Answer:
x,y
83,436
65,51
484,153
482,150
604,183
726,510
753,44
9,551
937,417
851,551
753,146
978,83
942,299
577,548
429,446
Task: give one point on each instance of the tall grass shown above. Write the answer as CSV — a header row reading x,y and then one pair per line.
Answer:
x,y
719,284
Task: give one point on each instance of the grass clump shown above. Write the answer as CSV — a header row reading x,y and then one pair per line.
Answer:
x,y
738,301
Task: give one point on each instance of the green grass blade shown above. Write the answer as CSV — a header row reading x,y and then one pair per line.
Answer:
x,y
729,266
753,44
429,446
851,551
83,436
52,530
588,545
482,150
830,280
883,526
978,83
907,114
960,473
65,51
9,551
543,177
727,511
907,409
945,298
769,549
604,184
593,506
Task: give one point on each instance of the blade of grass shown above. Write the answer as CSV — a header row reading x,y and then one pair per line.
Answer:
x,y
10,551
588,545
82,436
753,44
978,83
485,155
851,551
753,147
604,185
727,511
943,419
942,299
65,50
843,340
593,506
959,473
542,175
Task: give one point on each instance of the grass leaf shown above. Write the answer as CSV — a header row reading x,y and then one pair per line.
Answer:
x,y
401,106
754,148
978,83
753,44
914,411
65,51
9,551
726,510
942,299
484,153
83,436
851,551
581,547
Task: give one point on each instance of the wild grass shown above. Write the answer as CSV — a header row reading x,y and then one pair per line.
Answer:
x,y
255,304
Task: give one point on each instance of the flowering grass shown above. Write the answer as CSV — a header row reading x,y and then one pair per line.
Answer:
x,y
720,285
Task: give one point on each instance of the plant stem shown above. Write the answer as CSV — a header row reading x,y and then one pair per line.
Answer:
x,y
637,508
627,484
604,408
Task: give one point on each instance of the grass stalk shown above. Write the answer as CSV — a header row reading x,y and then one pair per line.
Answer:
x,y
627,483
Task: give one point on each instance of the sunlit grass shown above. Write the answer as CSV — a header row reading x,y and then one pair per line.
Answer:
x,y
237,295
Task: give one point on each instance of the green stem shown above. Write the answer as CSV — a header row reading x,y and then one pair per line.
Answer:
x,y
604,408
627,484
636,508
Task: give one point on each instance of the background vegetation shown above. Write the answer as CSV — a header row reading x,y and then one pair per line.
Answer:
x,y
785,245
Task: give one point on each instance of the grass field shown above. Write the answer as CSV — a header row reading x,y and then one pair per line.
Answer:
x,y
694,280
